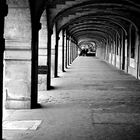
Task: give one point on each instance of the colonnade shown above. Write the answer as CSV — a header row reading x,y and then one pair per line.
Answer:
x,y
122,51
35,53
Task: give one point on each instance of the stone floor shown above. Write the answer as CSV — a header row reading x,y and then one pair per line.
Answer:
x,y
90,101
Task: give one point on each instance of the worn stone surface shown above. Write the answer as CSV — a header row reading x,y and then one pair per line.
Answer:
x,y
90,101
42,82
17,55
21,125
17,86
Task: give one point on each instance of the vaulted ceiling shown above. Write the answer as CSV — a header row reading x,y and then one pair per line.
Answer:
x,y
97,20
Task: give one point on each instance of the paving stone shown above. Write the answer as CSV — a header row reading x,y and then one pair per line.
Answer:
x,y
21,125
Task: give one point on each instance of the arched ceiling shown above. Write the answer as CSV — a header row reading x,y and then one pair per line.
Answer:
x,y
97,20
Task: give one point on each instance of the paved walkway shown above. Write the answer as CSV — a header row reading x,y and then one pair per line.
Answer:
x,y
91,101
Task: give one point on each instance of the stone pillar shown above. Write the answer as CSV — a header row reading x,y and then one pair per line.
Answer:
x,y
132,68
114,43
126,54
123,50
42,58
138,32
49,34
17,58
53,43
36,26
74,51
129,48
110,51
3,13
56,54
70,52
60,48
120,52
66,52
49,59
137,53
106,52
63,51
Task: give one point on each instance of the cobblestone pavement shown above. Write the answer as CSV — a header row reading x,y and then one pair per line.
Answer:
x,y
90,101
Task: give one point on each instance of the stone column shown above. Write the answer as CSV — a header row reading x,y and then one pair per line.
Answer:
x,y
63,51
66,52
70,52
56,54
42,60
36,26
49,34
138,70
123,50
53,43
18,55
129,43
49,60
60,48
3,13
137,52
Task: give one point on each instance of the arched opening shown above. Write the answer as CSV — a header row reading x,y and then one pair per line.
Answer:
x,y
88,48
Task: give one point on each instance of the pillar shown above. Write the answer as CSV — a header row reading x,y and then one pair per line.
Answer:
x,y
111,46
63,51
138,54
42,58
66,52
70,51
120,52
53,51
56,54
3,13
123,50
18,56
130,42
49,34
36,26
126,53
133,45
60,48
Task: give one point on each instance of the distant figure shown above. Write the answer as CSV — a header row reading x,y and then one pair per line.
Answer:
x,y
86,51
82,52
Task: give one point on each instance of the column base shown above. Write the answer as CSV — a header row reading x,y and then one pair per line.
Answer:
x,y
17,104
